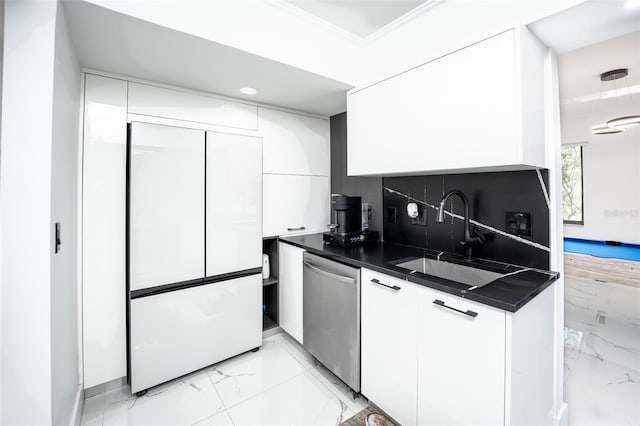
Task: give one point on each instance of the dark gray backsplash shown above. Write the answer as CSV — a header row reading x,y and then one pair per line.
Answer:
x,y
490,196
369,188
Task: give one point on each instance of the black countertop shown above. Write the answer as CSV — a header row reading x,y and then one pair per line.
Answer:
x,y
509,292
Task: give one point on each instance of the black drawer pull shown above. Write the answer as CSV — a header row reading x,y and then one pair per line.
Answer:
x,y
392,287
441,303
300,228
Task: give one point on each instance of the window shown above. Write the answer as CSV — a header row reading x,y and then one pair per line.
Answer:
x,y
572,185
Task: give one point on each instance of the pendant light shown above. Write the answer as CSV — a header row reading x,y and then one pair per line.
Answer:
x,y
619,124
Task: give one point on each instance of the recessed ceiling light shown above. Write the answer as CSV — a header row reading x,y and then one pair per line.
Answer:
x,y
631,4
248,91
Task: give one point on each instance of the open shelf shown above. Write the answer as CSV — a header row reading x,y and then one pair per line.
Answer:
x,y
267,323
269,281
270,285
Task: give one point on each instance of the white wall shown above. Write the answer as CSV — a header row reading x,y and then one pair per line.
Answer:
x,y
25,221
40,101
611,178
64,202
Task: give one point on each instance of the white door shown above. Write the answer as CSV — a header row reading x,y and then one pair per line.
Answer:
x,y
295,204
389,312
290,289
461,361
166,208
234,203
178,332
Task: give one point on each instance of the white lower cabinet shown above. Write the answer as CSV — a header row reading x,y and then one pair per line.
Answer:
x,y
198,326
430,358
389,329
461,361
290,289
294,204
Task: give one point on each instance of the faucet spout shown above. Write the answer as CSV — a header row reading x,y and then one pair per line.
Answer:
x,y
468,239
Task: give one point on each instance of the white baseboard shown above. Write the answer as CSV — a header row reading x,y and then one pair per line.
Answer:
x,y
78,405
562,417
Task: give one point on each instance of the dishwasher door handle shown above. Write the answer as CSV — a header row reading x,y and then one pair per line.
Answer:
x,y
328,274
392,287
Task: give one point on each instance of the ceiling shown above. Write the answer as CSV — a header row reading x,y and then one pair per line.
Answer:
x,y
109,41
584,98
587,23
359,17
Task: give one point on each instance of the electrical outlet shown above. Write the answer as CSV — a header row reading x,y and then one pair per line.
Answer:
x,y
422,217
518,223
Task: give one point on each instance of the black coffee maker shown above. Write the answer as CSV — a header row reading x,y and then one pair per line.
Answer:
x,y
346,230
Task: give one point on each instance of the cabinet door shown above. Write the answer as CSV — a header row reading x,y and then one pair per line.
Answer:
x,y
175,333
461,362
389,344
103,230
455,112
234,203
294,143
156,101
295,204
166,209
290,289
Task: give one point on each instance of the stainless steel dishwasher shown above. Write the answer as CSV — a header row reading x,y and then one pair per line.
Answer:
x,y
331,316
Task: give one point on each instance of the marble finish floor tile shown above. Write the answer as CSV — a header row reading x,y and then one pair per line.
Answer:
x,y
184,401
302,400
602,393
252,373
279,384
93,411
602,353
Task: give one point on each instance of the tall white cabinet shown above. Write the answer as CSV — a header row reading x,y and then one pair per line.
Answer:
x,y
103,230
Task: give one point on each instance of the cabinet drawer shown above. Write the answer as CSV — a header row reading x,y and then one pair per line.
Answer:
x,y
160,102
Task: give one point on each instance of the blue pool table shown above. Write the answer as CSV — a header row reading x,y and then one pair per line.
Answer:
x,y
602,249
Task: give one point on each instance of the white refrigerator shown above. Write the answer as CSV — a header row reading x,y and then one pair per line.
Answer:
x,y
194,250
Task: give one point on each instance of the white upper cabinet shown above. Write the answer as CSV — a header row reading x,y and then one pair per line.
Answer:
x,y
187,106
234,203
477,108
293,143
166,209
295,204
